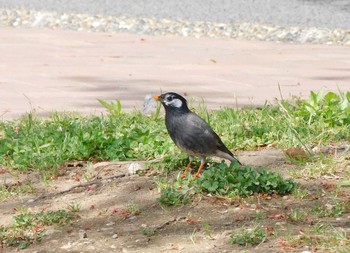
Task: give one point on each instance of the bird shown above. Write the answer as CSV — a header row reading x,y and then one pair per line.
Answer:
x,y
191,133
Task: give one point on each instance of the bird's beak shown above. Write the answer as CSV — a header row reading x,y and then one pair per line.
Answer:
x,y
157,98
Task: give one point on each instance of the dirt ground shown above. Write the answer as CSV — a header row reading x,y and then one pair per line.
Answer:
x,y
103,223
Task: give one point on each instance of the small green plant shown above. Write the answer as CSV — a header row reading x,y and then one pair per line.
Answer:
x,y
207,229
25,220
300,193
171,162
74,207
297,215
172,197
133,209
319,228
148,231
245,236
225,180
114,107
259,215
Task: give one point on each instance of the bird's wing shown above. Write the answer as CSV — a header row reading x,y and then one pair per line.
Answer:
x,y
197,136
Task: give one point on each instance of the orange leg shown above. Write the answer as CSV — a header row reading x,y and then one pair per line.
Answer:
x,y
199,170
183,175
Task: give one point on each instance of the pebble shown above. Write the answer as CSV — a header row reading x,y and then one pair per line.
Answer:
x,y
30,201
52,231
152,26
115,236
105,229
134,168
82,234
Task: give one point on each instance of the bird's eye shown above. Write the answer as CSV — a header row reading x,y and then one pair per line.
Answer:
x,y
170,98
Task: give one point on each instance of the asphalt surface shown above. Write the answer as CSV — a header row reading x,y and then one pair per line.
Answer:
x,y
304,13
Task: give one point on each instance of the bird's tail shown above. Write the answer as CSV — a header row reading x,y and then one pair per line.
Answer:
x,y
234,159
227,154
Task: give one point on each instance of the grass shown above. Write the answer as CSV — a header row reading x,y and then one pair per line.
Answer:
x,y
31,143
332,209
8,191
248,236
28,228
323,237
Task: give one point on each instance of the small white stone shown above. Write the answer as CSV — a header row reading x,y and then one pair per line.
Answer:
x,y
110,223
82,234
106,229
95,24
30,201
134,168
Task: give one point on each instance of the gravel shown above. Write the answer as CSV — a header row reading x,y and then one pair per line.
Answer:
x,y
304,13
195,24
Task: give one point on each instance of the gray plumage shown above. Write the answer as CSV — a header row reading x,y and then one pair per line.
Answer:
x,y
190,132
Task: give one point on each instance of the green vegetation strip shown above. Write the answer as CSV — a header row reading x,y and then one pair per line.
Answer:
x,y
32,143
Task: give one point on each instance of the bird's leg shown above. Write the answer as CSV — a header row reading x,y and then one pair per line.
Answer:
x,y
183,175
200,167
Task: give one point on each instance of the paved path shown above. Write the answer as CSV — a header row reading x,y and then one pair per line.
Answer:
x,y
65,70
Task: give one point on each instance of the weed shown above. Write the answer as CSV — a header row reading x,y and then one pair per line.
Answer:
x,y
297,215
172,162
330,209
194,235
7,192
322,237
172,197
223,180
300,193
207,229
114,108
259,215
28,228
133,209
245,236
74,207
148,231
319,228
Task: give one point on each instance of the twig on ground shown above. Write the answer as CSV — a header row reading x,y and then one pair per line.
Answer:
x,y
159,227
95,181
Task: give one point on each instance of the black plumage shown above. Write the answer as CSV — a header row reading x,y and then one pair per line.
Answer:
x,y
190,132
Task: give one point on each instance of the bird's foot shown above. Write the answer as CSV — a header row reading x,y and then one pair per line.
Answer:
x,y
198,175
183,175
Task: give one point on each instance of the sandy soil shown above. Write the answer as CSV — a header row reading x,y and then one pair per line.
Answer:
x,y
103,223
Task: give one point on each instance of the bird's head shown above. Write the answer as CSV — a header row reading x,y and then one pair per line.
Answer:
x,y
172,101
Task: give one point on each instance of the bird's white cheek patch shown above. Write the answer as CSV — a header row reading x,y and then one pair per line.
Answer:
x,y
175,103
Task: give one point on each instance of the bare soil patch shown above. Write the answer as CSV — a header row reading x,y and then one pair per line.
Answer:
x,y
119,212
